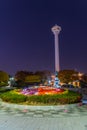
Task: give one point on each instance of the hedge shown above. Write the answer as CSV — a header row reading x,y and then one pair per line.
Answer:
x,y
69,98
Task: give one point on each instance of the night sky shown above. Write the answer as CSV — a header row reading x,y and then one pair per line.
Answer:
x,y
26,40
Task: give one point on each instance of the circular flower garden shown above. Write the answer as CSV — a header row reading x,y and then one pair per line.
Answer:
x,y
41,96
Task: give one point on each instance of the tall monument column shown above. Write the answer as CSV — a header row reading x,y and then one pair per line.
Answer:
x,y
56,30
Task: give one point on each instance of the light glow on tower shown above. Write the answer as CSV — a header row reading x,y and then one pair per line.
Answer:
x,y
56,30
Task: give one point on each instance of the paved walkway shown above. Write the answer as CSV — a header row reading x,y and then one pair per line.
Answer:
x,y
66,118
9,122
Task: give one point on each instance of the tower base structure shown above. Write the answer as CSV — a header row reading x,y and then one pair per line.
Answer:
x,y
56,81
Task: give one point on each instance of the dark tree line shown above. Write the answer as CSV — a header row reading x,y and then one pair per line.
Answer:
x,y
24,78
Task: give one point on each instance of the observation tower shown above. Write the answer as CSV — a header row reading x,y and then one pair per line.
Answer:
x,y
56,30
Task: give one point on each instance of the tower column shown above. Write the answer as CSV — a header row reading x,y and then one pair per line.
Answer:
x,y
57,65
56,30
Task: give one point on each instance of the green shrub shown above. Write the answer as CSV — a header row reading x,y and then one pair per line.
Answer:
x,y
3,84
2,89
55,99
13,98
69,98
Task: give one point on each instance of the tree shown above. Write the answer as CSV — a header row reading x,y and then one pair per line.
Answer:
x,y
84,78
4,77
67,76
33,79
20,75
43,74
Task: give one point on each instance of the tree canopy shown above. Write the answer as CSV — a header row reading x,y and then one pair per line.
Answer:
x,y
4,77
33,79
67,76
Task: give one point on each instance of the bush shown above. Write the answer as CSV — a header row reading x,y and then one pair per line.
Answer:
x,y
3,84
13,98
67,98
3,89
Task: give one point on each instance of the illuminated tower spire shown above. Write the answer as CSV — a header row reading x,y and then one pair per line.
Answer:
x,y
56,30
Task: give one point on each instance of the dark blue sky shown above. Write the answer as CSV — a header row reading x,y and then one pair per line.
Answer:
x,y
26,40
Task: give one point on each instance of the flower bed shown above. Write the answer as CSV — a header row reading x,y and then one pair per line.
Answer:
x,y
65,97
41,91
